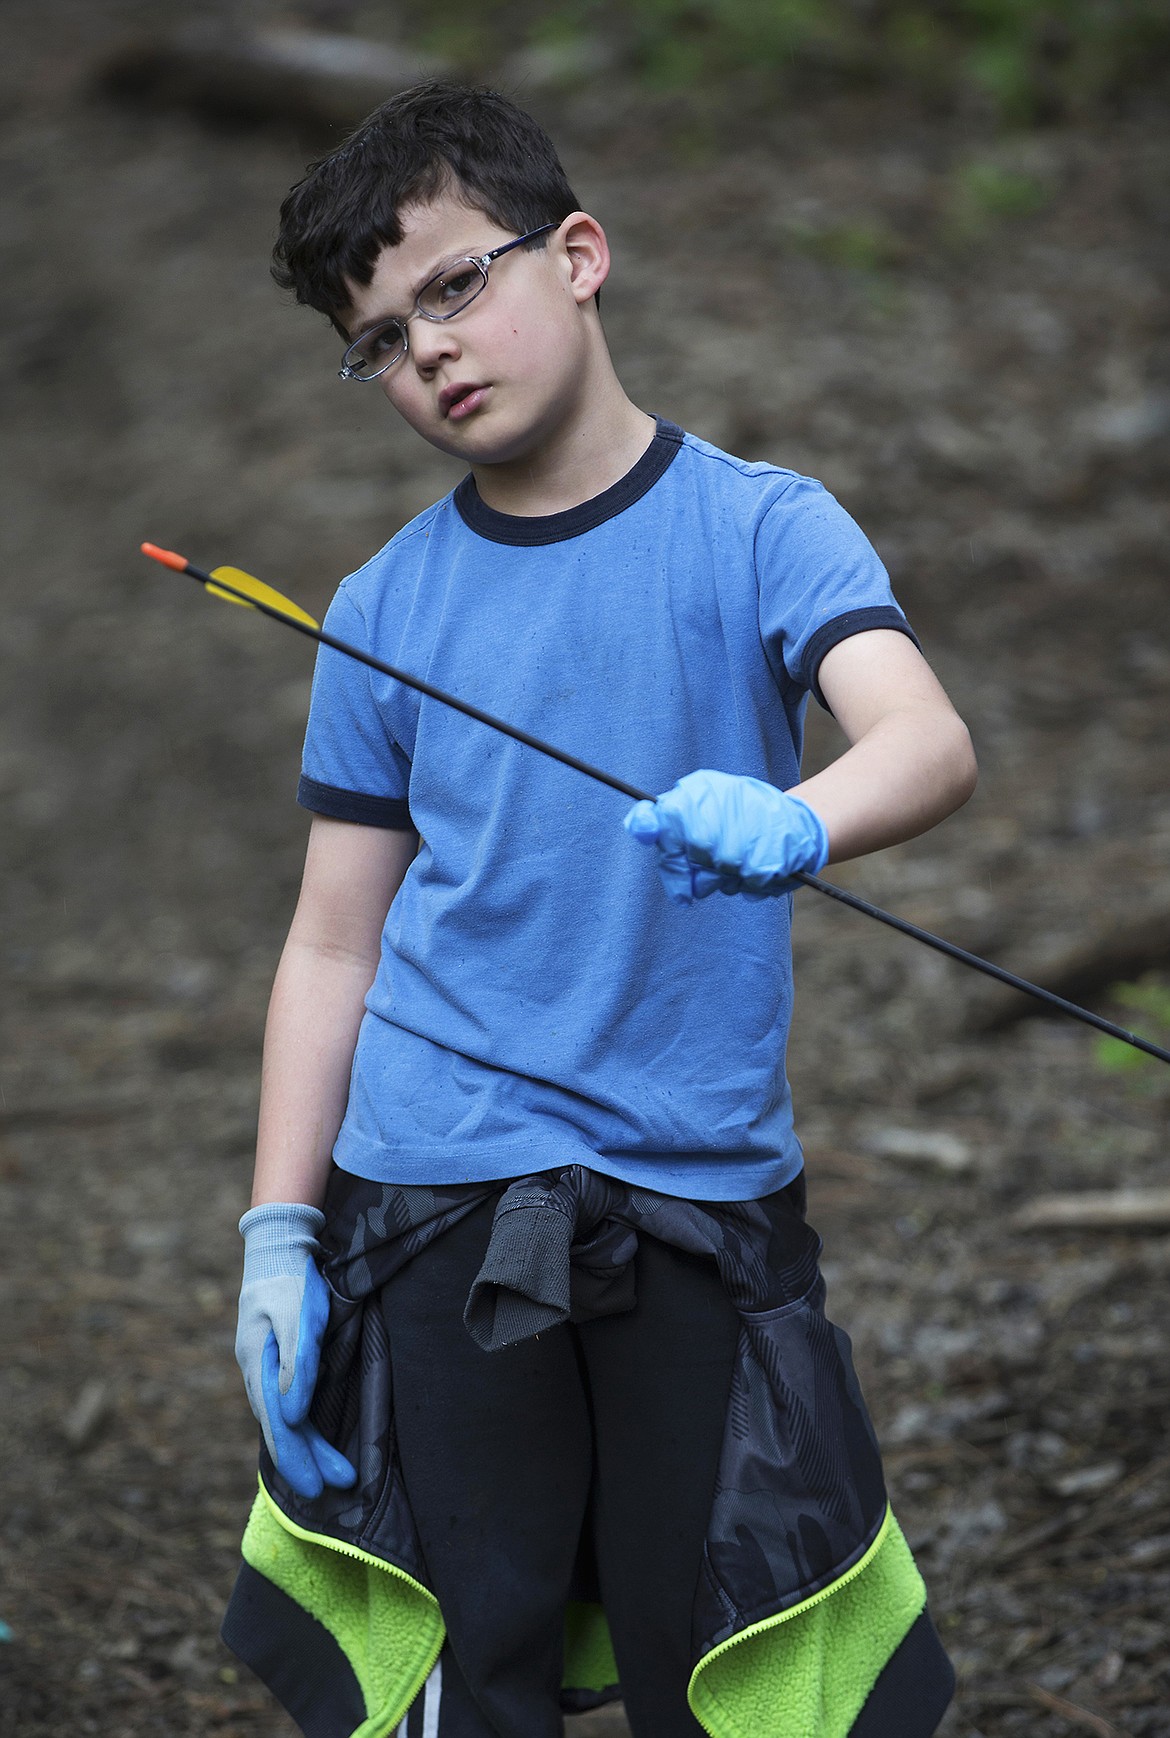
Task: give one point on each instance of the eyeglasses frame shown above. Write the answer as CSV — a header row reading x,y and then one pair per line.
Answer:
x,y
480,261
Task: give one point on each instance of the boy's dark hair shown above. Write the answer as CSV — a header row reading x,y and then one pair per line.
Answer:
x,y
431,139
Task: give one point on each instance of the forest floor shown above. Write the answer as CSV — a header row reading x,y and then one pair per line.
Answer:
x,y
964,334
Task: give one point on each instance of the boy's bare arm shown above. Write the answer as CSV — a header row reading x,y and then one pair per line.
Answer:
x,y
329,960
910,762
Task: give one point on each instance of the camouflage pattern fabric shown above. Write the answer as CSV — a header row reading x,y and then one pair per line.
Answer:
x,y
800,1494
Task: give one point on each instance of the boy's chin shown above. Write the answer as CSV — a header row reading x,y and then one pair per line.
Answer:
x,y
478,444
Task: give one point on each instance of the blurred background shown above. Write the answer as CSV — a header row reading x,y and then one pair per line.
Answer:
x,y
917,251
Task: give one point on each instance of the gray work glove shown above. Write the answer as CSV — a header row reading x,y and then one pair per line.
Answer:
x,y
284,1311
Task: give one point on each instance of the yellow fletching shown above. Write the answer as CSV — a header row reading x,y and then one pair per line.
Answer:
x,y
256,591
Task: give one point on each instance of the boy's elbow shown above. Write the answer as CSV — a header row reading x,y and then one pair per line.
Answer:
x,y
964,768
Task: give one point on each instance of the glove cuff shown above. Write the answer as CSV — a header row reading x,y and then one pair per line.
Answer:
x,y
284,1215
818,838
277,1236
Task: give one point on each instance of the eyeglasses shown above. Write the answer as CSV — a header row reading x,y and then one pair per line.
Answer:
x,y
441,298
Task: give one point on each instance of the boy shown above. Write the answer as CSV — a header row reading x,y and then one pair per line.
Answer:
x,y
525,1138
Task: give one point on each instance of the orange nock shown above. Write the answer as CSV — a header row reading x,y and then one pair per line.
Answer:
x,y
166,556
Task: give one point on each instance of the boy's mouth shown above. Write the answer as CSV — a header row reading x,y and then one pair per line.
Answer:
x,y
461,399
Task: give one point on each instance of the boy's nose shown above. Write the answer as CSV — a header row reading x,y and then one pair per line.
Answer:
x,y
432,342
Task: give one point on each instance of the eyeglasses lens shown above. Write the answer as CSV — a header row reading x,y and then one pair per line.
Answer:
x,y
448,293
376,350
452,290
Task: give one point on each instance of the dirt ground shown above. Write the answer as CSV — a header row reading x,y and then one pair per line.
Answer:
x,y
824,286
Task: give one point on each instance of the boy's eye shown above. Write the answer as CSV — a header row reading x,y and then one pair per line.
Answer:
x,y
453,289
384,340
457,283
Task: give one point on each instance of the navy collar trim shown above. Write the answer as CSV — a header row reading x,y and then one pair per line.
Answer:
x,y
556,527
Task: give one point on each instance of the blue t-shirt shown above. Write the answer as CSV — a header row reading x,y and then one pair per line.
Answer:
x,y
539,1001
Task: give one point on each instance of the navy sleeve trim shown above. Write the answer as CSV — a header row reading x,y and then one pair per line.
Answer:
x,y
339,805
575,521
831,634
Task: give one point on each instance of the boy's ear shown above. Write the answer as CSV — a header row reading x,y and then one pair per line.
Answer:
x,y
583,241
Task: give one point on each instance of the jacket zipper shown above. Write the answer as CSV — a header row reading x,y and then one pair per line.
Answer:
x,y
780,1617
346,1550
356,1551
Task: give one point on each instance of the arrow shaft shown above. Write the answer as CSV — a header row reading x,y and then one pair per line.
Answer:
x,y
477,712
1000,973
428,688
937,942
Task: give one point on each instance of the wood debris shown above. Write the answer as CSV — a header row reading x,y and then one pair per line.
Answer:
x,y
1097,1210
933,1147
1080,1717
1078,972
299,77
87,1414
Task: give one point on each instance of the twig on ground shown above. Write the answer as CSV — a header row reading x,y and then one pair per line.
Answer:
x,y
1072,1711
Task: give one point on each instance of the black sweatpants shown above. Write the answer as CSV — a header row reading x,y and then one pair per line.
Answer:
x,y
505,1453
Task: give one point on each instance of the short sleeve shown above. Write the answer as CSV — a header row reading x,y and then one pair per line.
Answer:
x,y
821,581
351,769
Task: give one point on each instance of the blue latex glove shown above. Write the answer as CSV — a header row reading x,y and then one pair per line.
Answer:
x,y
721,833
284,1310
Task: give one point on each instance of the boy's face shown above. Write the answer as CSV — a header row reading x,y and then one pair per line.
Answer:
x,y
491,384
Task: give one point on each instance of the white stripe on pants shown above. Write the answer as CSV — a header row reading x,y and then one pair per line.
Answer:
x,y
432,1696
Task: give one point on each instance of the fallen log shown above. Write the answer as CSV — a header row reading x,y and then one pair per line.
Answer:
x,y
1080,972
305,78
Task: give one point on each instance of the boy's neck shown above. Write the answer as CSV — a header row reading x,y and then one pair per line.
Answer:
x,y
587,453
